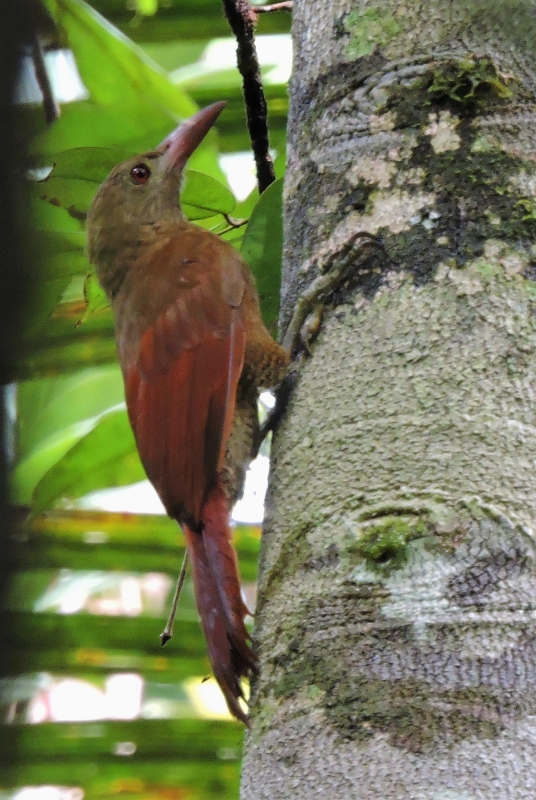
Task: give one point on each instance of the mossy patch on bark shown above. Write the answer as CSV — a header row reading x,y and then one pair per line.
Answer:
x,y
383,544
368,30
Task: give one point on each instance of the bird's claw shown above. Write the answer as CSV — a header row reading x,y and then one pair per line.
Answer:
x,y
333,266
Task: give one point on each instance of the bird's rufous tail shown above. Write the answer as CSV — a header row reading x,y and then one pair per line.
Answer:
x,y
218,600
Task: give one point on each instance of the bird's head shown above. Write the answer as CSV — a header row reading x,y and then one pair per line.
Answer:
x,y
143,190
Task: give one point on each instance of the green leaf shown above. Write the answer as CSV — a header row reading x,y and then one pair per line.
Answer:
x,y
56,355
105,457
64,265
175,54
45,217
113,68
77,174
45,299
52,242
73,194
203,196
262,249
61,254
86,124
88,163
53,414
133,102
95,297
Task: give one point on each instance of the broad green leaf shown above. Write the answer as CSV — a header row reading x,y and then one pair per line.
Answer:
x,y
48,405
105,457
95,297
262,249
246,206
85,124
175,54
64,264
133,102
89,163
75,178
44,300
73,194
73,182
55,413
53,242
61,254
76,175
48,355
113,68
45,217
127,128
30,469
203,196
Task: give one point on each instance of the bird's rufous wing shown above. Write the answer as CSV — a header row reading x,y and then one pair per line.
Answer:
x,y
182,371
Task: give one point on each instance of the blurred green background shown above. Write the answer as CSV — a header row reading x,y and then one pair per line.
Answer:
x,y
91,705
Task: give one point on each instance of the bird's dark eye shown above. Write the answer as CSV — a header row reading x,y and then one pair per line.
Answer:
x,y
140,173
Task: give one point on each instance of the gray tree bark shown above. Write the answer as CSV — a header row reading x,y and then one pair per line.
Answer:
x,y
397,595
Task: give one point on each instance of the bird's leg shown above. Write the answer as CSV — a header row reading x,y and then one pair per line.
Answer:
x,y
275,415
167,633
335,264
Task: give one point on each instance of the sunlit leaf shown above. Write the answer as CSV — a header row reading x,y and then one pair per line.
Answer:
x,y
53,415
72,194
94,295
112,67
85,124
89,163
133,102
106,456
262,249
77,174
203,196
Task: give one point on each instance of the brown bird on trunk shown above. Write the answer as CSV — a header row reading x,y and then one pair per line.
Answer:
x,y
194,352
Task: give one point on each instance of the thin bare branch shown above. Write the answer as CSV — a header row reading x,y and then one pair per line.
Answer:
x,y
234,223
242,17
52,109
286,6
167,633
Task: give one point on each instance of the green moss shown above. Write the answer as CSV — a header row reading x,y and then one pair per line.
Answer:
x,y
530,288
468,81
486,269
463,87
368,30
529,205
289,684
313,692
482,144
412,714
295,552
384,545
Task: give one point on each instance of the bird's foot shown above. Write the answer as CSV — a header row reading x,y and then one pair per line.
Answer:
x,y
335,264
282,396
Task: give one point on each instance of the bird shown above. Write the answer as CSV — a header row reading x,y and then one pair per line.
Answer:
x,y
194,354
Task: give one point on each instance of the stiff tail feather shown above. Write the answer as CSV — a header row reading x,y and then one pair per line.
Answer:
x,y
217,595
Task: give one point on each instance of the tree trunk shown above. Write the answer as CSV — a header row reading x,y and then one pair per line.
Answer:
x,y
395,623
